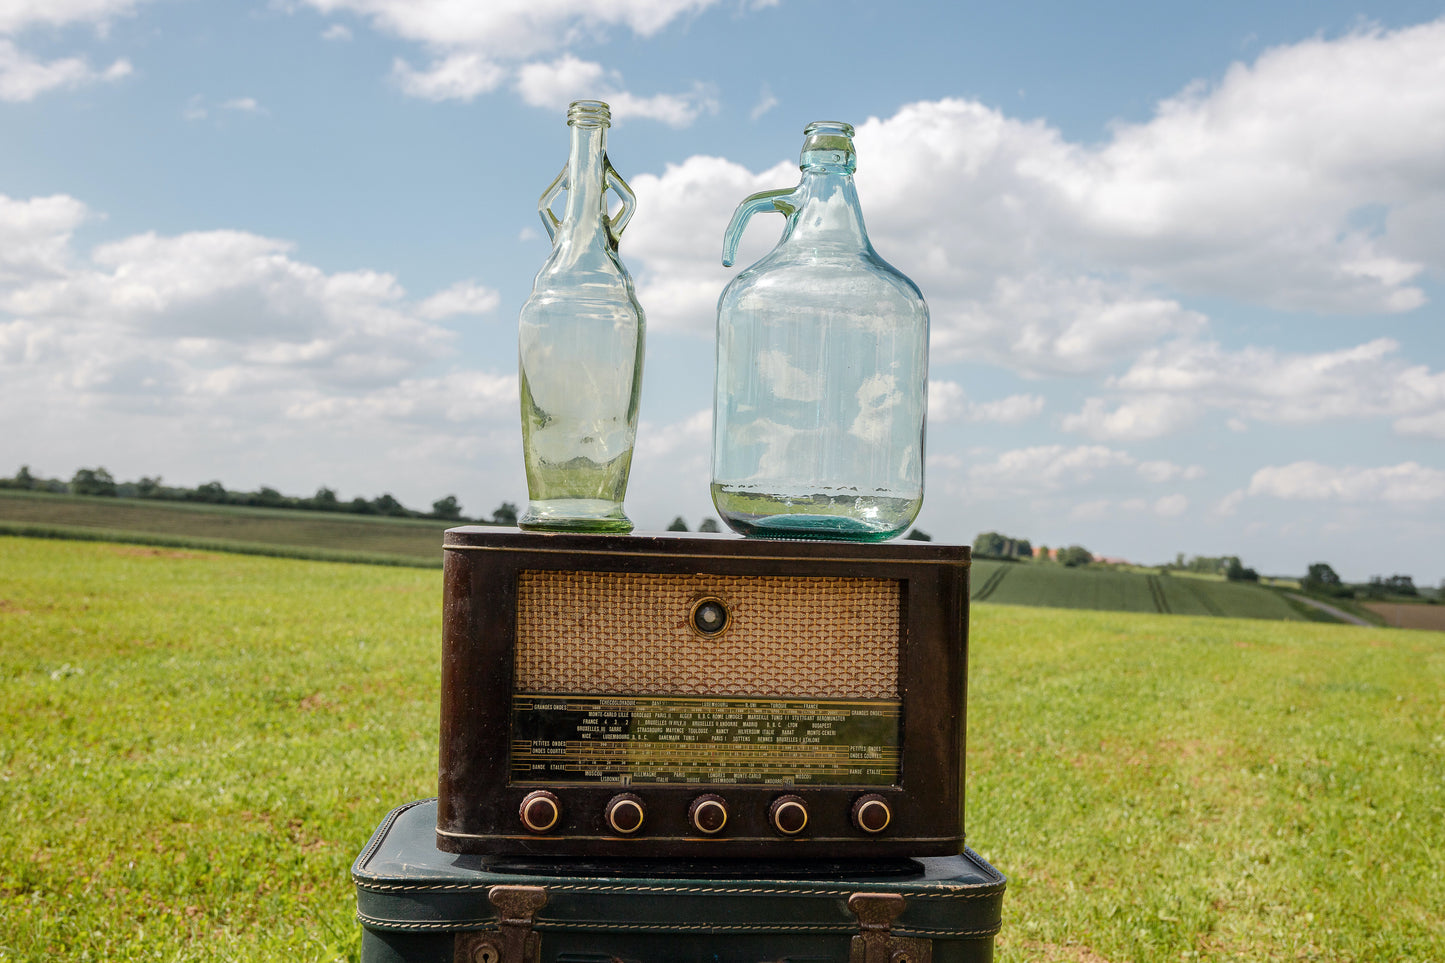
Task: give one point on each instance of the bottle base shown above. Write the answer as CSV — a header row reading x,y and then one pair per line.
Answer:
x,y
575,515
846,517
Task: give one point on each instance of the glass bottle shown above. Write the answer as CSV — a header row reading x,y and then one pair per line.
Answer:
x,y
580,344
822,368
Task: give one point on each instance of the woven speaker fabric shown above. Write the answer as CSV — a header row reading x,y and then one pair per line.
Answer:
x,y
629,634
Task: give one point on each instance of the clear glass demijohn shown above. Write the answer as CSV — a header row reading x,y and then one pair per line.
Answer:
x,y
580,347
822,368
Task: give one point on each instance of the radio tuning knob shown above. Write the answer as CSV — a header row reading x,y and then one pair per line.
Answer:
x,y
788,815
708,814
625,814
871,813
540,811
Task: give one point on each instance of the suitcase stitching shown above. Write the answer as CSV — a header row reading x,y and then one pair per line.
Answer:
x,y
954,893
542,926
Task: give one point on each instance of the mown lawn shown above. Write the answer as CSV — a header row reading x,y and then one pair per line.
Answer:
x,y
194,746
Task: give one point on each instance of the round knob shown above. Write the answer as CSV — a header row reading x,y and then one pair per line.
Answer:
x,y
540,811
625,814
709,617
708,814
871,813
788,814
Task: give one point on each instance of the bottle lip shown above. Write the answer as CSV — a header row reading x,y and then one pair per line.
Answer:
x,y
828,146
589,113
828,127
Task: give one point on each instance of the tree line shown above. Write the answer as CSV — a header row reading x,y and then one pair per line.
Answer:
x,y
98,482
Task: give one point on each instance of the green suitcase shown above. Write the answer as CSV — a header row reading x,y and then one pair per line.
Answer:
x,y
419,905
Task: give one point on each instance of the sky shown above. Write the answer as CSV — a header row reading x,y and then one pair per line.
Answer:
x,y
1183,262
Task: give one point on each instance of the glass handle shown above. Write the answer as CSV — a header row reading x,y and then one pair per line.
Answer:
x,y
762,203
544,206
629,202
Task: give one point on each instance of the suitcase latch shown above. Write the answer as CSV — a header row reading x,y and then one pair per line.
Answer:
x,y
875,942
514,940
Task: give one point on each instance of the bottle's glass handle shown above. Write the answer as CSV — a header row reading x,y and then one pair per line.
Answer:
x,y
629,202
765,202
544,206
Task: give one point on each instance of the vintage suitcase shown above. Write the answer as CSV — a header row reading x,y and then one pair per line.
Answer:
x,y
420,905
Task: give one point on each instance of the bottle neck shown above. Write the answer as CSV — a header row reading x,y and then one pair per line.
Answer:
x,y
586,209
828,216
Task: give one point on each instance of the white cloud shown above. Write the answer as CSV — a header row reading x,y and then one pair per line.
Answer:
x,y
1147,417
1166,471
18,15
35,236
1171,506
210,342
458,77
464,297
476,47
23,78
557,83
1405,483
948,402
244,105
1369,380
766,102
337,32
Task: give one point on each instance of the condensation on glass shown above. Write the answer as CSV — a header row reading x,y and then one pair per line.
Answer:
x,y
580,347
822,368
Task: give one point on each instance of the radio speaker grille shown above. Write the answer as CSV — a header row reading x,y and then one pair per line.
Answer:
x,y
629,634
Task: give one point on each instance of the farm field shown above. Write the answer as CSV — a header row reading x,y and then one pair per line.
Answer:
x,y
1014,583
196,745
1409,615
267,531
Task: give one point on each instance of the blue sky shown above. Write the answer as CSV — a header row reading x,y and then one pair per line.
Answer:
x,y
1184,265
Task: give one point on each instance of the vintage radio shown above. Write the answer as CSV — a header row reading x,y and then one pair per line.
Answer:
x,y
702,696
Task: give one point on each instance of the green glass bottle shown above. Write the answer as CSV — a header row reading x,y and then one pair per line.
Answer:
x,y
580,347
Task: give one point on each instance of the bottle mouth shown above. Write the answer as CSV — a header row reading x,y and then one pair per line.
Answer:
x,y
588,113
828,144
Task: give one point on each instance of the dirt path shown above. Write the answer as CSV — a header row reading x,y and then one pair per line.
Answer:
x,y
1328,609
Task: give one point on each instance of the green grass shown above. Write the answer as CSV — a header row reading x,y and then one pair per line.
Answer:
x,y
1055,586
194,746
258,531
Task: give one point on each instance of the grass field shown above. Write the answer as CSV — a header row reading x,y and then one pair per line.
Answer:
x,y
195,746
258,531
1015,583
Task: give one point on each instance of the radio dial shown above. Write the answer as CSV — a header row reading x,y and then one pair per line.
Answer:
x,y
708,814
789,816
540,811
871,813
625,814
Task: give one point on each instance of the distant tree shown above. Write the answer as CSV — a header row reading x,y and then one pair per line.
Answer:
x,y
211,491
1041,553
919,535
989,544
679,524
269,497
325,500
1022,548
361,506
1235,571
1322,580
708,525
447,508
1401,585
505,514
92,481
148,487
388,505
23,478
1075,555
